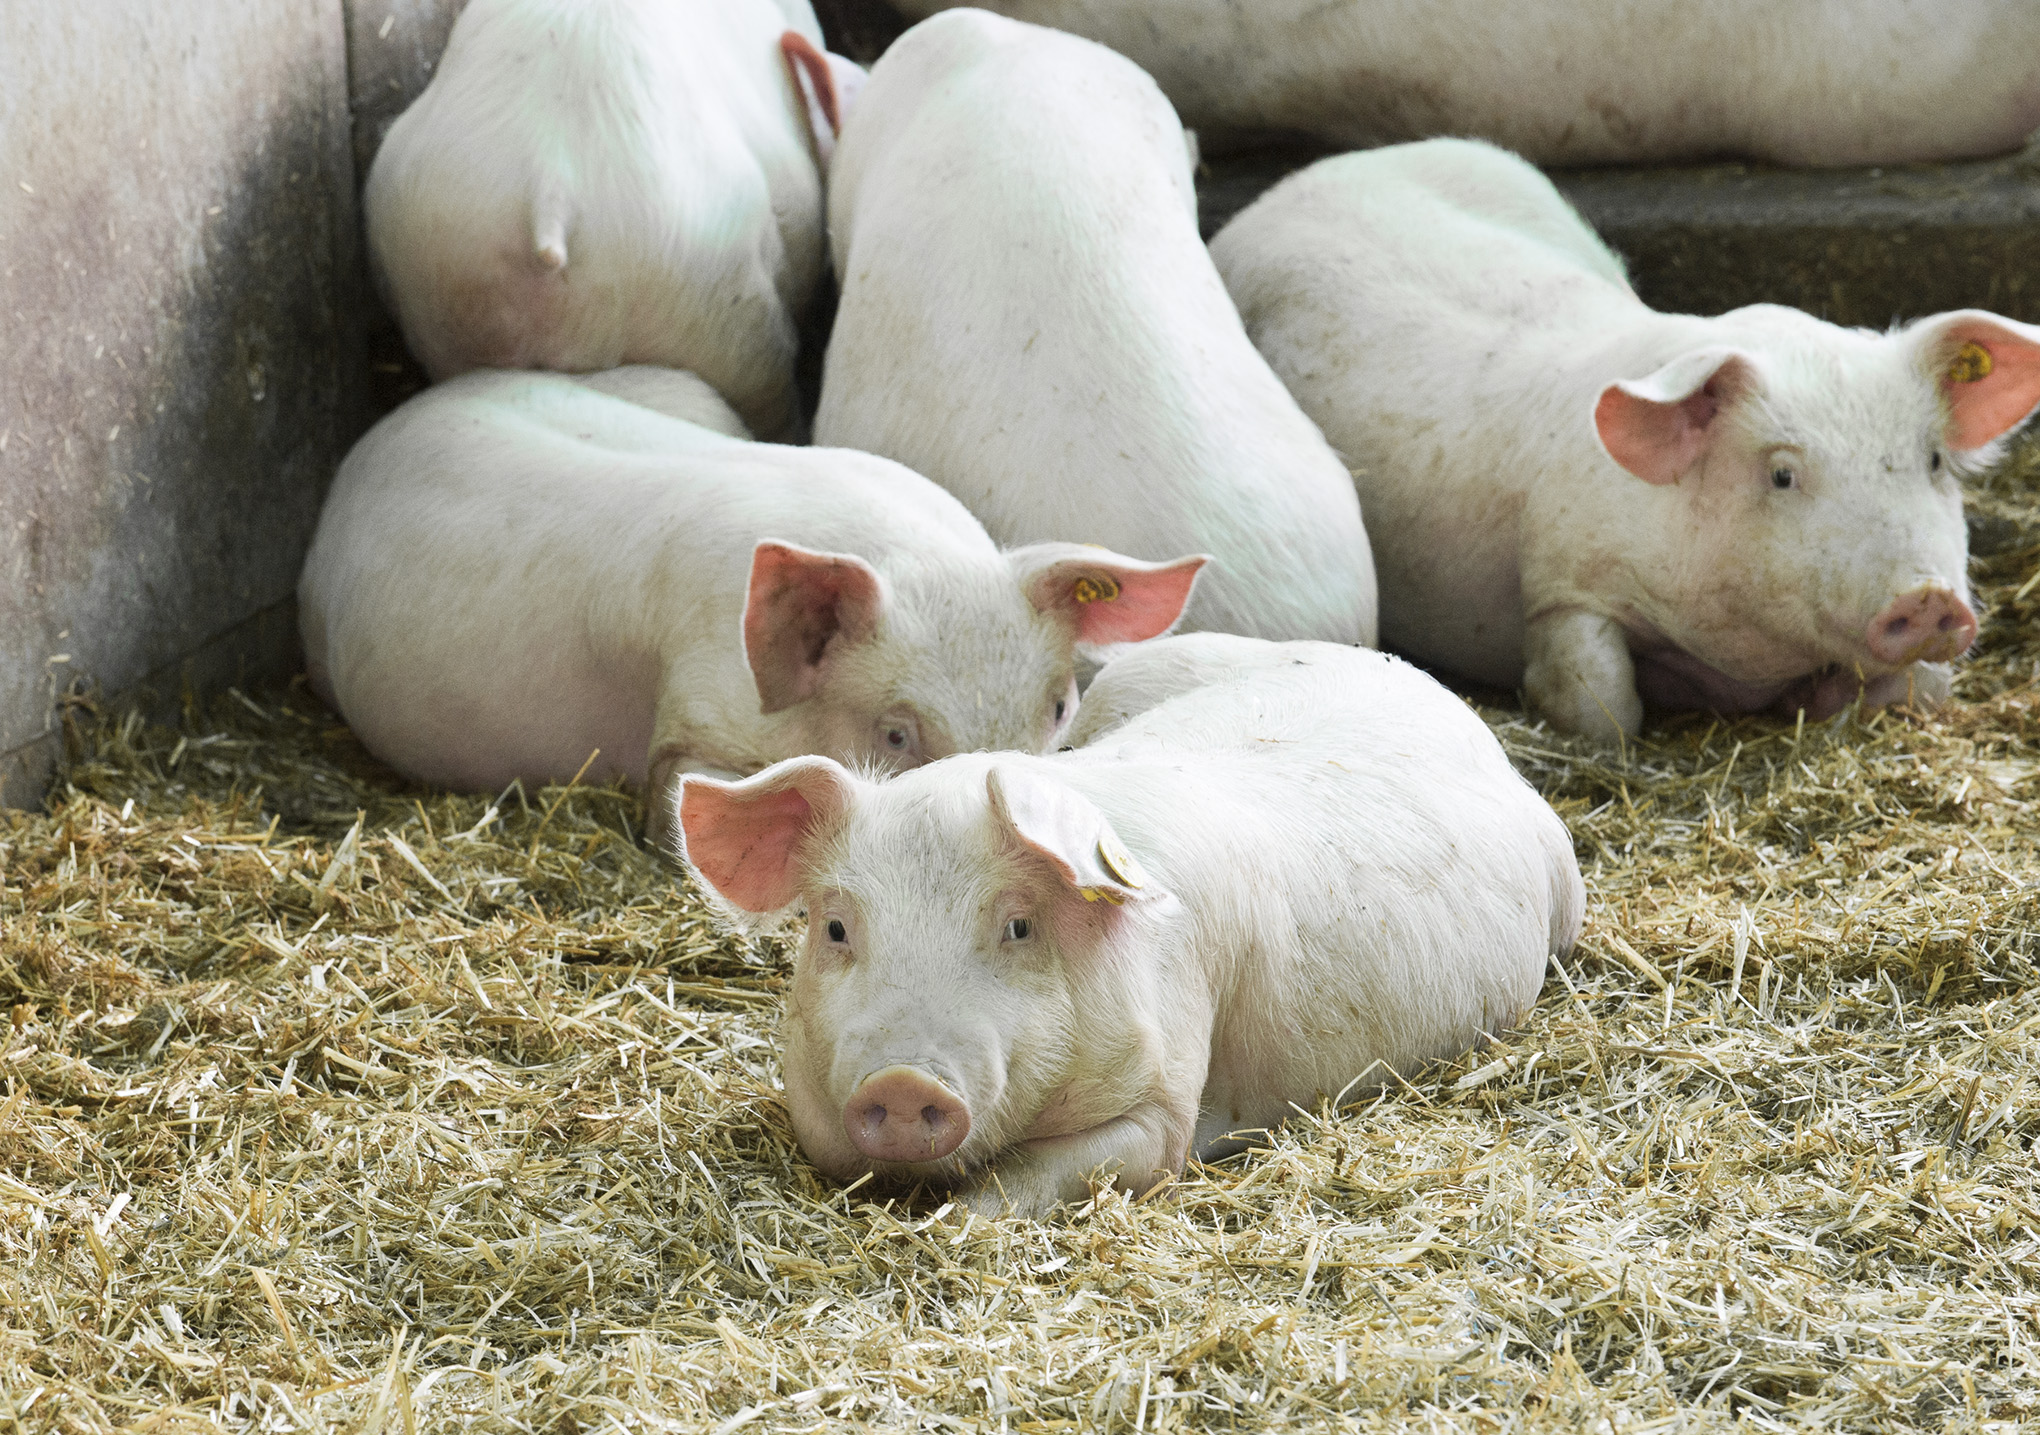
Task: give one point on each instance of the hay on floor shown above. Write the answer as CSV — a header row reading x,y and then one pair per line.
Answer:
x,y
328,1102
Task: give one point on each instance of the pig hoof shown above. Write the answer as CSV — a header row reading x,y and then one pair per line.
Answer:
x,y
1572,707
994,1202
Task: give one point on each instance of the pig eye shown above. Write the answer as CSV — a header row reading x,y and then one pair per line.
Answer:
x,y
1934,463
899,736
1019,929
837,931
1060,708
1784,476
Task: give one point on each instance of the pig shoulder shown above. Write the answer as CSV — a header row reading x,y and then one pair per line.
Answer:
x,y
1411,254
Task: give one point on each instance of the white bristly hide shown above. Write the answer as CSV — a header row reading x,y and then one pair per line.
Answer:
x,y
588,183
1029,318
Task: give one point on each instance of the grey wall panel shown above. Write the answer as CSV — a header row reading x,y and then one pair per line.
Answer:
x,y
181,371
393,49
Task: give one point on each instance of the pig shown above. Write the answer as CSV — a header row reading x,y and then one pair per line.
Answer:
x,y
519,575
593,183
1604,504
1308,875
1588,81
1029,318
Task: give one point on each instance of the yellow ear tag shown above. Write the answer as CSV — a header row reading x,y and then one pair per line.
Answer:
x,y
1095,590
1972,362
1119,864
1099,894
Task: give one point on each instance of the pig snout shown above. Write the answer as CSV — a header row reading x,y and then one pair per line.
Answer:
x,y
1927,625
904,1114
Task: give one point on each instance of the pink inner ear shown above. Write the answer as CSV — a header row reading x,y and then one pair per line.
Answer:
x,y
1984,409
1657,441
799,602
811,72
1111,598
742,843
1147,604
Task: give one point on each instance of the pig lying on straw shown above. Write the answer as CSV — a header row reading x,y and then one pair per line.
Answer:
x,y
1608,505
518,571
1303,868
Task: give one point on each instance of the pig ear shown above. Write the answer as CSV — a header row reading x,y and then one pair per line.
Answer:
x,y
740,837
1062,825
825,84
1988,370
804,606
1105,596
1659,426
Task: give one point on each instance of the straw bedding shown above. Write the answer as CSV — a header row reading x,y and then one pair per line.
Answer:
x,y
330,1102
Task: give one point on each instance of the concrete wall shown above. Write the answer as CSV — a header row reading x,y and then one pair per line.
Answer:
x,y
181,367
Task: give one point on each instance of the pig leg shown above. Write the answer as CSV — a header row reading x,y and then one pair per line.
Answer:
x,y
1578,673
1147,1145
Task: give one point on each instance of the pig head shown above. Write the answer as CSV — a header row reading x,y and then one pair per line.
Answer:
x,y
971,980
1808,544
892,669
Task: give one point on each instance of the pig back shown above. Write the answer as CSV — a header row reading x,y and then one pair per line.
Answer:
x,y
1365,880
1030,319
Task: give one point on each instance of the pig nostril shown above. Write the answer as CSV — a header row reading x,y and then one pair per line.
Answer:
x,y
901,1114
1948,623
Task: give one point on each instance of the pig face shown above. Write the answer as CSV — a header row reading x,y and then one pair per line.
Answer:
x,y
959,921
1820,519
891,671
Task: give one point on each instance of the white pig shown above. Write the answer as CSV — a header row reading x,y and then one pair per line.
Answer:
x,y
1312,871
1029,318
515,571
1816,82
588,183
1606,504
